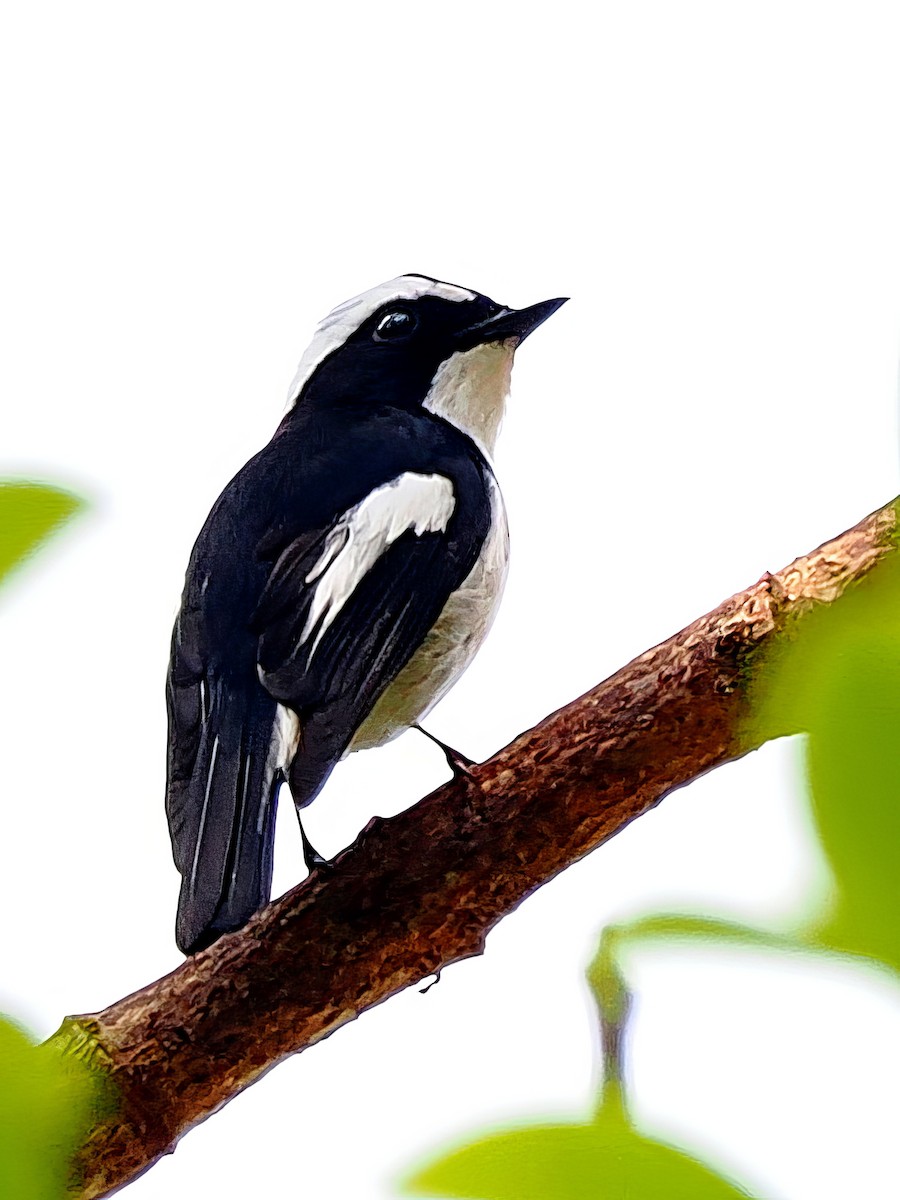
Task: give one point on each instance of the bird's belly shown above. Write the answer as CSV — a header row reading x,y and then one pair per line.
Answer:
x,y
450,644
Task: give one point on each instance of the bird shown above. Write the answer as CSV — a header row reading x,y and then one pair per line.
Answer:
x,y
342,582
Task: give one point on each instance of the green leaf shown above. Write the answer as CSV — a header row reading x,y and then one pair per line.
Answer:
x,y
606,1159
838,678
46,1100
29,513
854,772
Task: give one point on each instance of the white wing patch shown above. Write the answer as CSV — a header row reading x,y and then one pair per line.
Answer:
x,y
422,503
347,318
283,745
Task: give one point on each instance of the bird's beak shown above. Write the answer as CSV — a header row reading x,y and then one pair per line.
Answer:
x,y
510,323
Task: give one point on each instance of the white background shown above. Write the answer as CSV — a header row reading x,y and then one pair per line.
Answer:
x,y
187,189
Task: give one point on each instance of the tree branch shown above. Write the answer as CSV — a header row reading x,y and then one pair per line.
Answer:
x,y
423,889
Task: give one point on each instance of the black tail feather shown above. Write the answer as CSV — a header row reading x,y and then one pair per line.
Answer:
x,y
222,815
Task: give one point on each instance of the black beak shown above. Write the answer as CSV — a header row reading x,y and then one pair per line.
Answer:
x,y
510,323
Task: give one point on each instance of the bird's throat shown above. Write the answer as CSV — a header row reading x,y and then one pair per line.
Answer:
x,y
470,390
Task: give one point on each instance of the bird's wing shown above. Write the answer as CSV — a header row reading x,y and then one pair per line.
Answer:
x,y
344,611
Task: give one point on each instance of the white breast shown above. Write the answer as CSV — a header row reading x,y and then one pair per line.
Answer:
x,y
470,391
450,645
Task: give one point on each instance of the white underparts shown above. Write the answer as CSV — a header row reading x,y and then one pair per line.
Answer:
x,y
450,644
421,503
470,390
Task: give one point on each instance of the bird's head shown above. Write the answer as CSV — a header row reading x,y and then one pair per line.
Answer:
x,y
416,341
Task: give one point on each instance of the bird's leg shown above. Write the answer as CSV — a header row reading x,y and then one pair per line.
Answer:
x,y
313,859
311,856
458,763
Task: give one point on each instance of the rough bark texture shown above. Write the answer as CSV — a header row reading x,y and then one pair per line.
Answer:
x,y
422,890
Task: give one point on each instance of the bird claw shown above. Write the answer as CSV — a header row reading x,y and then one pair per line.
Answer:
x,y
313,859
429,986
459,764
315,862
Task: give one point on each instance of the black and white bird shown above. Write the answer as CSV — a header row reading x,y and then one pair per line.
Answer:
x,y
343,580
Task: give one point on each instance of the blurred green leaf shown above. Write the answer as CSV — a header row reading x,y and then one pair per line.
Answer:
x,y
854,772
29,513
45,1105
606,1159
838,678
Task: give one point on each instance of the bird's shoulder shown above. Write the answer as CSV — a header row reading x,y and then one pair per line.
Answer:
x,y
315,470
318,467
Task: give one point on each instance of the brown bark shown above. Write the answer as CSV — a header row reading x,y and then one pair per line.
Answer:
x,y
422,890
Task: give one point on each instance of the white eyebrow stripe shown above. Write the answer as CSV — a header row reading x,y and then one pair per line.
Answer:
x,y
344,320
421,503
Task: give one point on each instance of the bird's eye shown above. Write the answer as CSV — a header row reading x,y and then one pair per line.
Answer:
x,y
395,325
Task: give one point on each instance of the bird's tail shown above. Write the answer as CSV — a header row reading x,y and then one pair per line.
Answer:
x,y
221,806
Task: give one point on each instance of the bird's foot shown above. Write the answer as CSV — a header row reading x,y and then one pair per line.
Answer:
x,y
458,763
313,859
